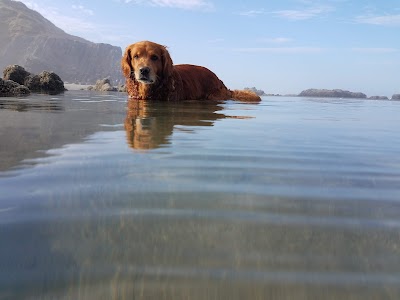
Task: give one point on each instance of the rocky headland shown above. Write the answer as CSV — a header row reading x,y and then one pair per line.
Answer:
x,y
29,40
336,93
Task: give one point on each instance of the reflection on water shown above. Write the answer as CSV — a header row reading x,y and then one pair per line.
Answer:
x,y
22,104
149,125
288,199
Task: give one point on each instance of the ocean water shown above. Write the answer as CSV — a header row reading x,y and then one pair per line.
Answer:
x,y
291,198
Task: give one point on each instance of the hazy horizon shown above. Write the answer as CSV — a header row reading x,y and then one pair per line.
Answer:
x,y
283,47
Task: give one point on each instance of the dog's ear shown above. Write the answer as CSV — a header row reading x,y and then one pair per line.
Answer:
x,y
126,65
167,63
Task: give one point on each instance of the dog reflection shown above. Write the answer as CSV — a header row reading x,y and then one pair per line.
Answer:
x,y
149,124
143,131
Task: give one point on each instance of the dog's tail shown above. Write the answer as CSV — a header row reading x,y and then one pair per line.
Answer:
x,y
245,95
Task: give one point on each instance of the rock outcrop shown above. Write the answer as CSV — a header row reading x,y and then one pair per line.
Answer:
x,y
378,98
30,40
331,94
396,97
103,85
15,73
257,91
9,88
45,82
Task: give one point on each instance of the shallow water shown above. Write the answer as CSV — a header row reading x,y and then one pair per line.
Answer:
x,y
292,198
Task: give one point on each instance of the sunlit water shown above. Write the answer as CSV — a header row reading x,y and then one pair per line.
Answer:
x,y
292,198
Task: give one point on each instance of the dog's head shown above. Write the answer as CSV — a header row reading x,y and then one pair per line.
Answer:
x,y
146,62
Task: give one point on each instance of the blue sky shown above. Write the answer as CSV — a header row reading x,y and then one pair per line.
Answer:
x,y
281,46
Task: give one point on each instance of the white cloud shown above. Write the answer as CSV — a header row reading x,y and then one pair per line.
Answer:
x,y
282,50
71,24
386,20
83,10
252,13
305,14
183,4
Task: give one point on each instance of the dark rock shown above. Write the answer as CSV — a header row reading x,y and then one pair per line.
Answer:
x,y
32,82
15,73
45,82
9,88
337,93
396,97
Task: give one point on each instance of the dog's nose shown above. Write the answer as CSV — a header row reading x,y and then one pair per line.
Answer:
x,y
145,71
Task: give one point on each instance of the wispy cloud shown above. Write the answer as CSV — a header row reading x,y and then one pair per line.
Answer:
x,y
281,50
277,40
71,24
383,20
374,50
304,14
252,13
182,4
83,10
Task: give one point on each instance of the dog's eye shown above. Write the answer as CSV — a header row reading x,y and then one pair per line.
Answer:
x,y
136,56
154,57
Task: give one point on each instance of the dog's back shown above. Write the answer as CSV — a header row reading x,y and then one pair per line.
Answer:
x,y
201,83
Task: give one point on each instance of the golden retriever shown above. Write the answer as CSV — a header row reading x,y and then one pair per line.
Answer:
x,y
151,75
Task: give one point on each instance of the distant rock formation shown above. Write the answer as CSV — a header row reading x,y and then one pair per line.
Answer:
x,y
378,98
104,85
45,82
258,92
31,41
9,88
331,94
396,97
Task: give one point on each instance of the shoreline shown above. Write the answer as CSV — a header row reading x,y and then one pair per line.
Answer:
x,y
76,87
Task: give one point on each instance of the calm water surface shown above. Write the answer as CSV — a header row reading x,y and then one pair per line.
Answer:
x,y
292,198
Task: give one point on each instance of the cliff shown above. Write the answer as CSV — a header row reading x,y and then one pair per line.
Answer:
x,y
30,40
331,93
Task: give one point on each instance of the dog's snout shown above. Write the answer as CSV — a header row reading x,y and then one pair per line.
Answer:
x,y
145,71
